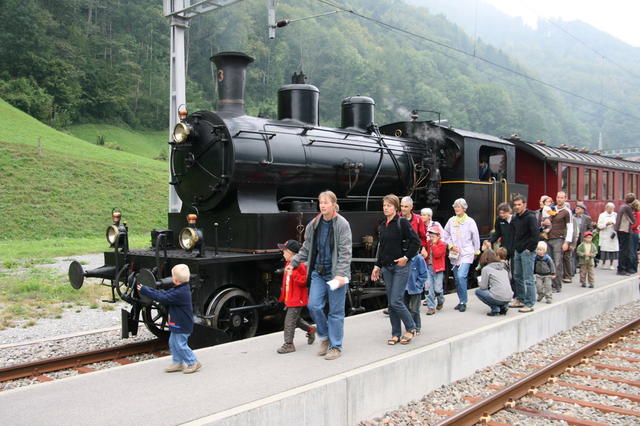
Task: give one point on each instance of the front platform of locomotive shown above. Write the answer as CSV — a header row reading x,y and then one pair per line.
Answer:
x,y
247,183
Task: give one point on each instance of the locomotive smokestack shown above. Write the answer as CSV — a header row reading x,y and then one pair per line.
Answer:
x,y
231,75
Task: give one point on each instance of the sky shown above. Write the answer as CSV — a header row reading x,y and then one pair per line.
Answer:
x,y
616,17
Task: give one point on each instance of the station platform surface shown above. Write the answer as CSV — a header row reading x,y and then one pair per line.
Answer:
x,y
247,382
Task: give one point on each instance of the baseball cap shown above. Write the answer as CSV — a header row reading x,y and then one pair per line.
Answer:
x,y
588,233
291,245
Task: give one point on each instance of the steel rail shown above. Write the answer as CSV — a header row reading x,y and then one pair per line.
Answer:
x,y
481,411
73,361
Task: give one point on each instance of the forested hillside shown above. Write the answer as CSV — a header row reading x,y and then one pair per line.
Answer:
x,y
74,61
566,54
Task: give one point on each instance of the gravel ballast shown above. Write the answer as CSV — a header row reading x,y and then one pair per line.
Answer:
x,y
451,397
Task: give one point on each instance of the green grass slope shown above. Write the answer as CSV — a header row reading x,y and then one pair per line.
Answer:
x,y
148,144
66,187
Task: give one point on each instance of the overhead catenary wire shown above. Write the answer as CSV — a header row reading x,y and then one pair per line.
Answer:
x,y
480,58
579,40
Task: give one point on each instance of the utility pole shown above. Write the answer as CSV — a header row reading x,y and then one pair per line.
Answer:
x,y
180,13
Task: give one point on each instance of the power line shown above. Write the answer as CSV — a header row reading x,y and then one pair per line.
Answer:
x,y
455,49
558,26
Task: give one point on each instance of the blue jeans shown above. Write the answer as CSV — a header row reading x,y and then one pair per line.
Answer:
x,y
523,264
319,294
495,305
413,304
434,287
180,350
395,282
460,273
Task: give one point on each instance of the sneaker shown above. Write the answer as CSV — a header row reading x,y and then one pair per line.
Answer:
x,y
439,306
385,311
286,348
311,336
192,368
556,290
590,285
583,285
540,297
174,367
324,347
463,307
333,353
431,311
425,303
567,280
548,300
516,304
526,309
493,314
457,308
503,311
612,268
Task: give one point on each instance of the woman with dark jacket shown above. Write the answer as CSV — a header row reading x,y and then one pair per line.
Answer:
x,y
398,244
327,250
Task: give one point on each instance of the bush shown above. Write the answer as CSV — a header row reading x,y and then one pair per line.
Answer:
x,y
25,94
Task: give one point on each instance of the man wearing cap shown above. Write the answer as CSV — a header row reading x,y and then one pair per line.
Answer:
x,y
581,224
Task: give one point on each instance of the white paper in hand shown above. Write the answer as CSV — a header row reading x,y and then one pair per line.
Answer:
x,y
334,284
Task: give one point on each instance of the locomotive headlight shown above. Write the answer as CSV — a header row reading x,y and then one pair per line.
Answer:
x,y
181,132
112,234
188,238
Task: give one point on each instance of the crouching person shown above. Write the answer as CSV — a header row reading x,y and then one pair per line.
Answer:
x,y
178,301
295,295
494,288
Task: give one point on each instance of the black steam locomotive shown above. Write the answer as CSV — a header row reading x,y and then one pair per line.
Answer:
x,y
247,183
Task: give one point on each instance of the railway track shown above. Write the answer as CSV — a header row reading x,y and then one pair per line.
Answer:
x,y
548,381
79,362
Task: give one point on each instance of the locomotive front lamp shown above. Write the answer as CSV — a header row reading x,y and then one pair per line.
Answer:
x,y
190,237
116,231
181,132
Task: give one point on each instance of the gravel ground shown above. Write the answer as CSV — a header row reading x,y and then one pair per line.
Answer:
x,y
71,321
451,397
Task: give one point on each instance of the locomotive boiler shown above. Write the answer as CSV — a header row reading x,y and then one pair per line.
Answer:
x,y
247,183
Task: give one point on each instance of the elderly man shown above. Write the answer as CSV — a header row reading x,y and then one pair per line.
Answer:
x,y
581,223
406,207
560,237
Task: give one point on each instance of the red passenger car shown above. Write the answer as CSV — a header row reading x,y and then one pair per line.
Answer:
x,y
586,177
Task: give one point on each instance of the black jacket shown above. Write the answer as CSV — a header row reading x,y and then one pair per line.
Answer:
x,y
525,231
504,230
391,246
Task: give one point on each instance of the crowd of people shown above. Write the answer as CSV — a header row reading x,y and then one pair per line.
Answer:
x,y
527,258
529,255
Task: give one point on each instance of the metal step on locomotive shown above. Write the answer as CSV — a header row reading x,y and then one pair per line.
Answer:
x,y
247,183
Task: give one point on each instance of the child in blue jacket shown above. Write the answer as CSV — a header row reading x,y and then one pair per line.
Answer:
x,y
178,300
415,287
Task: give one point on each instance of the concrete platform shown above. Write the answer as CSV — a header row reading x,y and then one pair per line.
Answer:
x,y
247,382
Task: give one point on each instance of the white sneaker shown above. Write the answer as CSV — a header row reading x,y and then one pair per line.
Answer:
x,y
612,268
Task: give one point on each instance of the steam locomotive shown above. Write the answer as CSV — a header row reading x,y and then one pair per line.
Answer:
x,y
247,183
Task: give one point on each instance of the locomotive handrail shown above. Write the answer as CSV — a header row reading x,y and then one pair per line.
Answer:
x,y
495,201
306,128
266,140
466,181
352,145
256,132
506,189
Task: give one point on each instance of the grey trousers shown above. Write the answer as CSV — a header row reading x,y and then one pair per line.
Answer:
x,y
555,248
293,320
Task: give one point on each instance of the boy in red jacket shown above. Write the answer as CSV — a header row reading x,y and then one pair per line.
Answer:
x,y
436,252
295,295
